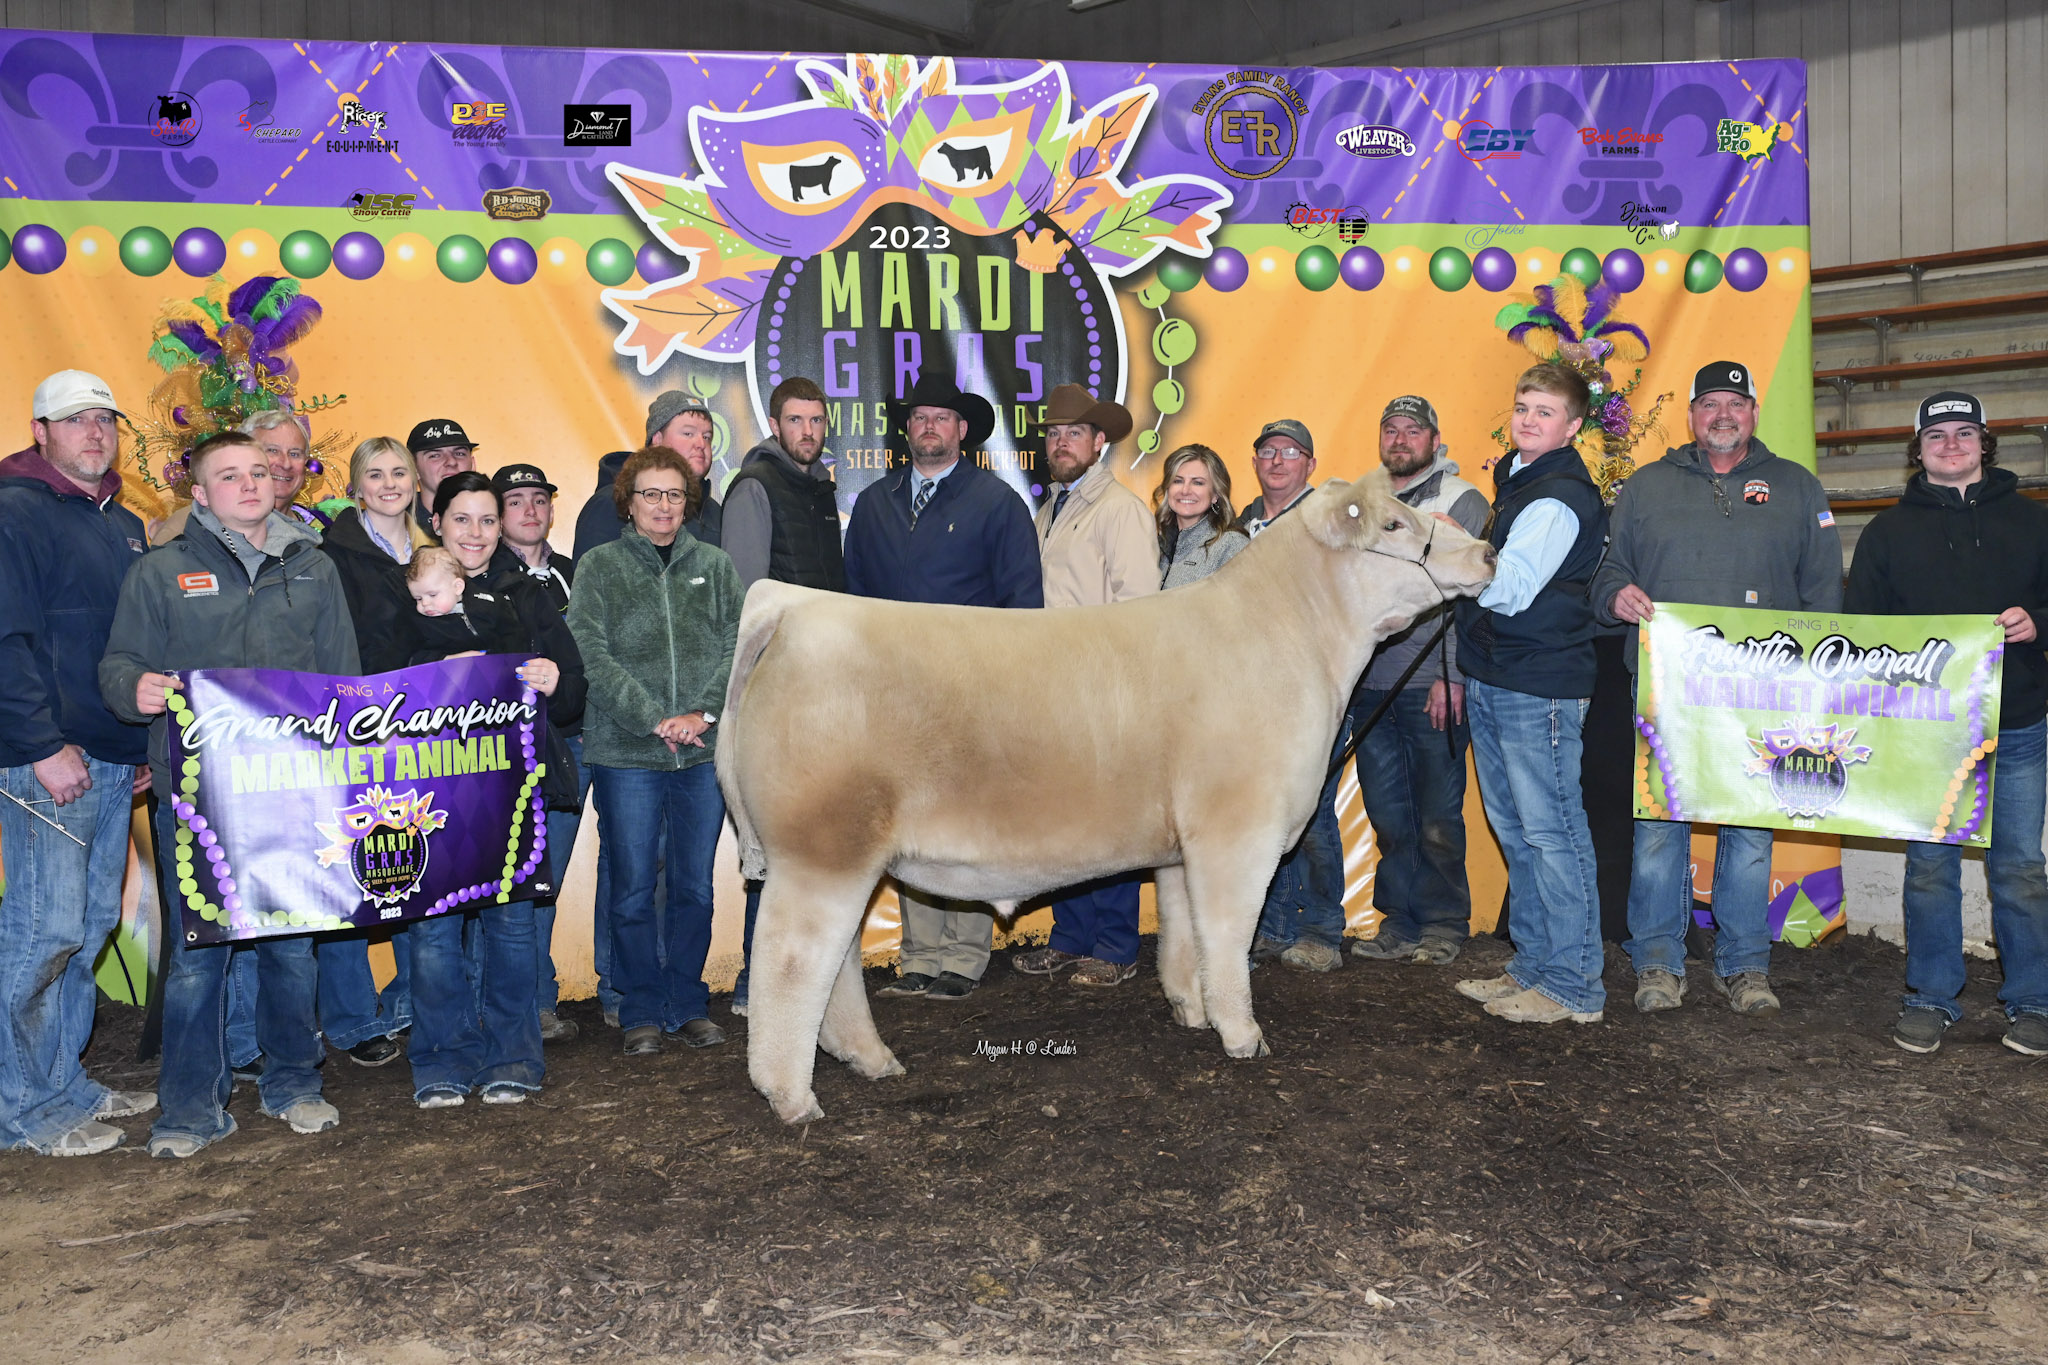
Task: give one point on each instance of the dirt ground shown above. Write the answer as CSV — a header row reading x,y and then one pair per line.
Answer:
x,y
1404,1180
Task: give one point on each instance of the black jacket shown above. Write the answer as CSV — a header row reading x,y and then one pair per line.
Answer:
x,y
1940,552
556,582
374,583
1546,650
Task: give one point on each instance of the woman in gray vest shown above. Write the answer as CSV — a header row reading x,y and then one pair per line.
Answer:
x,y
1193,504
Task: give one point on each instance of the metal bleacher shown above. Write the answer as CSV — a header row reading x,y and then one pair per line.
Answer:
x,y
1888,333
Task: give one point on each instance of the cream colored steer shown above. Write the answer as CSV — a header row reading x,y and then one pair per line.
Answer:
x,y
998,755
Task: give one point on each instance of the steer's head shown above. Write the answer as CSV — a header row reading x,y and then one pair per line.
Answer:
x,y
1366,517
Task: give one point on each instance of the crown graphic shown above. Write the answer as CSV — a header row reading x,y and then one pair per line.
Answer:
x,y
1041,253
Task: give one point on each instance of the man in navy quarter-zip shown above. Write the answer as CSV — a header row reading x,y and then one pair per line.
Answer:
x,y
942,530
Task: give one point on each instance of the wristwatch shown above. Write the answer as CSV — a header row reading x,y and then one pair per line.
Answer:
x,y
710,718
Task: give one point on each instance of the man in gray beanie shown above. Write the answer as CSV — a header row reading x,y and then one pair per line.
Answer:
x,y
682,423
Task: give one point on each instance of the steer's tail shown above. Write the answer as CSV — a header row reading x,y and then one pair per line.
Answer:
x,y
758,621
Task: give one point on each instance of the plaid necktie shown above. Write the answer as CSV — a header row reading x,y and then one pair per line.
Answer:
x,y
925,489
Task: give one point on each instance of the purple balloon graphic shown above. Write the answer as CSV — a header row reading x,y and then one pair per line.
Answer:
x,y
1362,267
655,264
1746,268
514,260
39,249
358,255
1623,269
199,251
1494,268
1228,269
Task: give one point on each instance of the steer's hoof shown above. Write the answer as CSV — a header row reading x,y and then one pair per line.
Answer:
x,y
806,1112
888,1067
1189,1015
1246,1052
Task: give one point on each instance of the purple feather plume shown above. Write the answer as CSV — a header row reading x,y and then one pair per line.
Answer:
x,y
248,294
1611,328
195,338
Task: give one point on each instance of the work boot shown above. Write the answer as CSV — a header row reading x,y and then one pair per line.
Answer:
x,y
1749,994
1534,1007
1491,988
1310,956
1658,990
1919,1028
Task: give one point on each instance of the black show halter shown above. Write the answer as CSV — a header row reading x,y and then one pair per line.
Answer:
x,y
1441,638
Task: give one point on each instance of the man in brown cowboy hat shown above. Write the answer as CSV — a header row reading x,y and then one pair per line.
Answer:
x,y
942,530
1098,544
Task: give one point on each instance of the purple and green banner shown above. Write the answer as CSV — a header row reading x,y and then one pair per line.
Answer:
x,y
1878,726
306,803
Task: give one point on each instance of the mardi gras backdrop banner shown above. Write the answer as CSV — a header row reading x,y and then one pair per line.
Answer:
x,y
310,803
533,242
1880,726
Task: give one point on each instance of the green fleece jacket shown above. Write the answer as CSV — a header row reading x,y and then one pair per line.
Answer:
x,y
657,641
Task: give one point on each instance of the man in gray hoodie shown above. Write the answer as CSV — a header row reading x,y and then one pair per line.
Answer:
x,y
1723,522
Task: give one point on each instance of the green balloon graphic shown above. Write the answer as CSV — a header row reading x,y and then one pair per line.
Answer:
x,y
461,258
703,384
1178,273
1316,267
1702,271
1582,265
1154,294
1450,269
1148,441
1169,397
1173,342
306,254
145,251
609,261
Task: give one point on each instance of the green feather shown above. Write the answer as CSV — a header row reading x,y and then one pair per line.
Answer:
x,y
1514,315
168,353
274,301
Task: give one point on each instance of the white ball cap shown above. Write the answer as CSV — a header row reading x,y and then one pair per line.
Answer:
x,y
70,392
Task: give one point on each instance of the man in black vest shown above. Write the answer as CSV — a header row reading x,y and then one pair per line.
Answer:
x,y
782,522
1526,649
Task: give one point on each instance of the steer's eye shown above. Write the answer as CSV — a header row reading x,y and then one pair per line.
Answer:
x,y
1391,526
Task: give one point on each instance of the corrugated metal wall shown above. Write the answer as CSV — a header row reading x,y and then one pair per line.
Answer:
x,y
1927,127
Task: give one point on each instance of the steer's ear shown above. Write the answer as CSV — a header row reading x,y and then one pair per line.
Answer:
x,y
1341,515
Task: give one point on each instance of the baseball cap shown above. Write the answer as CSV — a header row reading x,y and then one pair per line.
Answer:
x,y
1723,376
670,405
1949,406
520,476
1288,427
436,432
1416,409
70,392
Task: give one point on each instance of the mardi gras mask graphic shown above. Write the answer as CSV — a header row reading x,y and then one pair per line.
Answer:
x,y
384,838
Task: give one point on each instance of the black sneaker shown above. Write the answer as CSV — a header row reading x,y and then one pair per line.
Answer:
x,y
2028,1035
250,1071
909,983
701,1033
642,1040
1920,1028
374,1052
950,986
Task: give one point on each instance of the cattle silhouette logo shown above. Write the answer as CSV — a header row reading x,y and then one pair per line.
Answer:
x,y
176,120
1807,765
383,838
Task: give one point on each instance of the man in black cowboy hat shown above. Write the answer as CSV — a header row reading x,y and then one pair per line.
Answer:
x,y
945,531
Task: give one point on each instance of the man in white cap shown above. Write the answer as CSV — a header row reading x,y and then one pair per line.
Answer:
x,y
68,766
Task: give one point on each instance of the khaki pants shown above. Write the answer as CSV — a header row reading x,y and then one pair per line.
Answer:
x,y
944,935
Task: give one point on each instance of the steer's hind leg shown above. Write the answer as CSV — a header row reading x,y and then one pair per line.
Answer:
x,y
808,917
849,1029
1226,887
1180,970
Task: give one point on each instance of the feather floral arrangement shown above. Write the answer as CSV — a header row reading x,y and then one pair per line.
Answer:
x,y
1579,327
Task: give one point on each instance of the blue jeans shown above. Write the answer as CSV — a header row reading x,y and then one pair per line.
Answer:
x,y
61,903
1412,779
1526,750
242,988
562,827
1306,898
601,899
348,992
1660,898
1099,919
641,809
2013,872
739,987
193,1082
457,1044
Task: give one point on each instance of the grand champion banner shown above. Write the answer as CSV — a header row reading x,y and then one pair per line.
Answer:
x,y
1880,726
308,803
536,241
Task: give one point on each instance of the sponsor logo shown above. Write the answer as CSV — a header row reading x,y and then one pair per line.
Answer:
x,y
136,545
1251,122
1756,491
383,838
597,125
481,121
1619,141
439,434
1375,140
1961,405
355,116
1351,222
1807,765
259,123
177,119
1645,221
517,204
199,585
1481,237
1480,141
368,204
1748,140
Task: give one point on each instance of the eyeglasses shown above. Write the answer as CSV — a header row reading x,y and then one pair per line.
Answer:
x,y
661,495
1280,453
